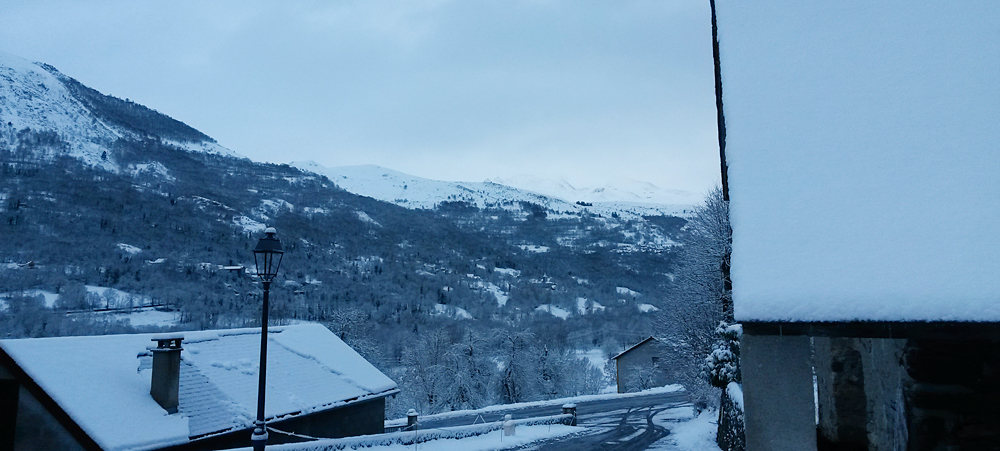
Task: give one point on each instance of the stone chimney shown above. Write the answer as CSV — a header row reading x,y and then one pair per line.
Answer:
x,y
166,371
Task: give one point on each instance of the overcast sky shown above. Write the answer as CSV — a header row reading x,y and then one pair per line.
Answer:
x,y
463,90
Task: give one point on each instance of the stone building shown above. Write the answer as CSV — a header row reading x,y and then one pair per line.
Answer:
x,y
638,367
196,391
861,160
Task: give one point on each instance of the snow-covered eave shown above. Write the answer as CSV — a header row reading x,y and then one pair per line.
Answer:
x,y
334,405
288,416
877,329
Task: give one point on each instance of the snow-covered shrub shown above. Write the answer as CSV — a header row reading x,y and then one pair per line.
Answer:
x,y
722,365
731,435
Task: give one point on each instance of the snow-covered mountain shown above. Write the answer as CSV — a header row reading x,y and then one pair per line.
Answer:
x,y
40,104
419,193
619,190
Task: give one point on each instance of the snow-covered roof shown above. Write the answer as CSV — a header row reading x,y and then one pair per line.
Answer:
x,y
633,347
862,143
103,382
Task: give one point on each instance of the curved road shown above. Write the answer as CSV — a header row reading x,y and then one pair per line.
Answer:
x,y
621,423
632,430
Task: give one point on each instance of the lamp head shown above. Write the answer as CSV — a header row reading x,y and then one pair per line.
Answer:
x,y
267,255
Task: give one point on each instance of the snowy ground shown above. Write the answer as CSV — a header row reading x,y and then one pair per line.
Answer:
x,y
691,433
688,432
147,316
506,408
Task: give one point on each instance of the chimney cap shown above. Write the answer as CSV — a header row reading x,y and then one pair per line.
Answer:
x,y
168,341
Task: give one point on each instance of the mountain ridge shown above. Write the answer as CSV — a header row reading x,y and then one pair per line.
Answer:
x,y
39,104
415,192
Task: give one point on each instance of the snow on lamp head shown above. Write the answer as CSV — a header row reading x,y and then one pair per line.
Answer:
x,y
267,255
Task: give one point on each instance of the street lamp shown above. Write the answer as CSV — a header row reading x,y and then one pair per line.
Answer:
x,y
267,259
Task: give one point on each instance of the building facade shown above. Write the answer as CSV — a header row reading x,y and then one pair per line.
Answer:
x,y
639,368
860,157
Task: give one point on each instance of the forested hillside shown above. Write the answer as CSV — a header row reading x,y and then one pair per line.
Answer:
x,y
463,306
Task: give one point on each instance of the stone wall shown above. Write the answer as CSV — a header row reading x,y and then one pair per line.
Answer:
x,y
860,384
778,392
954,402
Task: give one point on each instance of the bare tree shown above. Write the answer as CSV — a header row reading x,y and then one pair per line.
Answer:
x,y
518,379
702,298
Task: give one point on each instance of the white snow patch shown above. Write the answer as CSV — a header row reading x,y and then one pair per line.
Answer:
x,y
451,311
508,272
534,248
203,147
129,249
735,392
154,168
147,316
555,311
646,308
626,291
367,219
315,210
500,296
275,205
583,306
249,225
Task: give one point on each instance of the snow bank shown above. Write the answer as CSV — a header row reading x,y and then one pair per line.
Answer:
x,y
695,434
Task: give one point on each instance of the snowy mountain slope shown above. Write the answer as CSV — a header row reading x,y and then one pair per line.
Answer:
x,y
32,98
38,103
620,190
419,193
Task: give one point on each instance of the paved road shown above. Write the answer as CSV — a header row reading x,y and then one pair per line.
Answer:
x,y
628,430
620,423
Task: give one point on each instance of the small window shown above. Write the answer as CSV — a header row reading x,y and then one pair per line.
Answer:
x,y
656,360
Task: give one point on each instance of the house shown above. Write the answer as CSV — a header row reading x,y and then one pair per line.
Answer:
x,y
861,161
638,367
195,390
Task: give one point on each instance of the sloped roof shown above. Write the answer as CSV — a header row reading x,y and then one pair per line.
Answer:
x,y
634,346
102,382
861,140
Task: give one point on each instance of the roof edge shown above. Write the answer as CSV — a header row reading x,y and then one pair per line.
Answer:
x,y
949,330
50,405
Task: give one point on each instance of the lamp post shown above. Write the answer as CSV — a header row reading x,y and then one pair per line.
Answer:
x,y
267,259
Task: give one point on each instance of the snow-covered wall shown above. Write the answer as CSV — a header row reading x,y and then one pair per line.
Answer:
x,y
862,143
